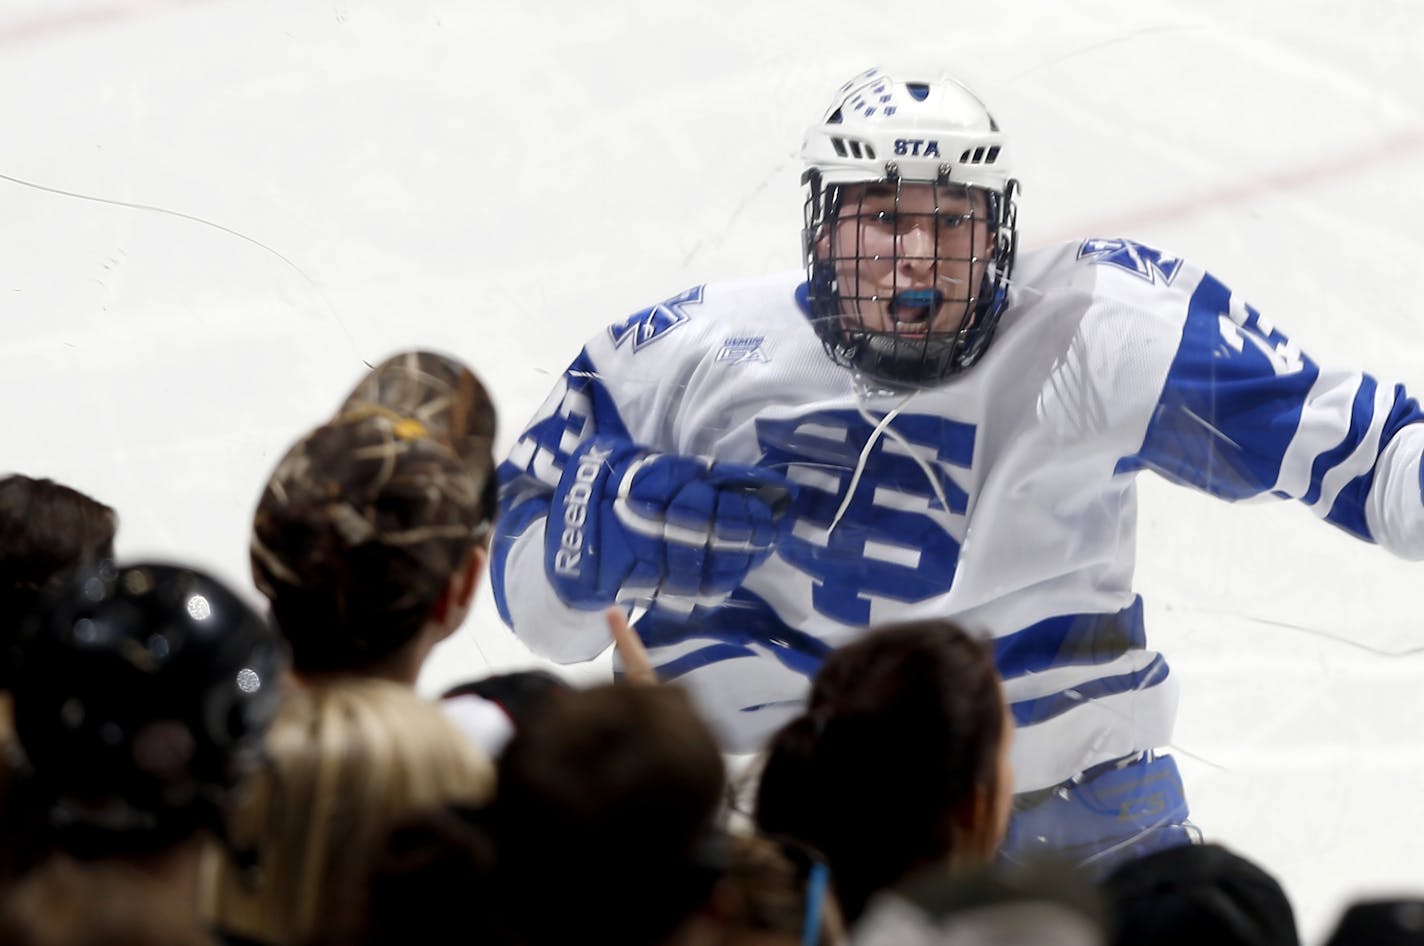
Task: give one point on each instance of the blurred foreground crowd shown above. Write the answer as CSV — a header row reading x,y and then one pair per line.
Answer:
x,y
179,768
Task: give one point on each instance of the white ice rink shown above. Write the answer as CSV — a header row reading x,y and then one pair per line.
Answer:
x,y
214,213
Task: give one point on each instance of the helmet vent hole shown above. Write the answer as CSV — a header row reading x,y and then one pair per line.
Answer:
x,y
835,118
850,147
980,155
919,91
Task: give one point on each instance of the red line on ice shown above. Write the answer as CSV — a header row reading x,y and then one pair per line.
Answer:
x,y
41,27
1299,177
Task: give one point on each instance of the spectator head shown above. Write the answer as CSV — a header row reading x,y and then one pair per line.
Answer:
x,y
367,541
1047,903
520,693
1381,923
48,531
67,902
141,698
348,761
774,892
601,792
430,883
1198,893
900,760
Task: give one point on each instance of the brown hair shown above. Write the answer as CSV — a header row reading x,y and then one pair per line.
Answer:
x,y
902,729
431,883
766,890
48,531
366,519
357,535
603,791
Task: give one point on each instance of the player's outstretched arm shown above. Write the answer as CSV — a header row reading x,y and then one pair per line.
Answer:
x,y
1244,413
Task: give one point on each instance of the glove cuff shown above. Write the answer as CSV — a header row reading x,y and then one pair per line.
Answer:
x,y
571,539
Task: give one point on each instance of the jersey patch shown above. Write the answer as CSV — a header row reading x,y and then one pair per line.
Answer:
x,y
743,350
1142,261
649,325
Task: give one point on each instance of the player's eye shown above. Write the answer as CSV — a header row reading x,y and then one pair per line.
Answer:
x,y
954,221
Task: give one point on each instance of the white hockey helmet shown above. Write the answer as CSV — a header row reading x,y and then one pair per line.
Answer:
x,y
919,128
906,127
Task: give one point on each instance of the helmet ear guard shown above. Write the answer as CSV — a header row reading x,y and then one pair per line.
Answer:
x,y
886,129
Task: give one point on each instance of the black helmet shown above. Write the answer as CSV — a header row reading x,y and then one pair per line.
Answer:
x,y
141,695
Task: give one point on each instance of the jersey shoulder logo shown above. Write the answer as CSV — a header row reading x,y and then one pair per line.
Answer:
x,y
1139,259
743,350
648,325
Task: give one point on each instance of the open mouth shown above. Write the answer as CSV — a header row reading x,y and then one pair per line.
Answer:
x,y
915,308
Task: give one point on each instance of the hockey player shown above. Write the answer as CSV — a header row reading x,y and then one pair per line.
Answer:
x,y
922,423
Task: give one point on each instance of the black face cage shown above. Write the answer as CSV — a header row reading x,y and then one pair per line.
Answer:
x,y
904,356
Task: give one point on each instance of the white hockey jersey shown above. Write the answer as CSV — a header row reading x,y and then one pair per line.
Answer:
x,y
1003,499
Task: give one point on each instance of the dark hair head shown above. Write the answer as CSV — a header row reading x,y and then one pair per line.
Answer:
x,y
776,887
520,693
600,792
48,531
902,732
357,535
141,699
1198,893
429,882
1398,922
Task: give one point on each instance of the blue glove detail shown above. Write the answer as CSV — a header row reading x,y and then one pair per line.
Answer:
x,y
628,525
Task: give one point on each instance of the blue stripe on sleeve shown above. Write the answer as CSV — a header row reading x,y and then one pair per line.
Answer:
x,y
1071,639
1044,708
510,526
584,409
1230,405
1235,398
499,556
1348,510
1362,413
711,654
742,620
